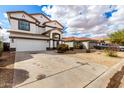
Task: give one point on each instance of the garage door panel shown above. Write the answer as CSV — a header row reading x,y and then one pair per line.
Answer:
x,y
30,45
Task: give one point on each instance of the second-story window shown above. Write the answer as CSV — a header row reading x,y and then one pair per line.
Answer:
x,y
24,25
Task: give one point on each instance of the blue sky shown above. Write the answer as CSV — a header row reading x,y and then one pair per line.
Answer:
x,y
80,21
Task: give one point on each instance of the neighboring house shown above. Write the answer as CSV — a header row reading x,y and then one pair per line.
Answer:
x,y
76,41
33,32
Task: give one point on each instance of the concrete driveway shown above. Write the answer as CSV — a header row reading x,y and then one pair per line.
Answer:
x,y
49,69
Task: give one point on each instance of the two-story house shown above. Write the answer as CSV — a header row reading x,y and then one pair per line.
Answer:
x,y
33,32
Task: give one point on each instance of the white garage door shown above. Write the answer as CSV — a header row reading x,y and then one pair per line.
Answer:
x,y
30,45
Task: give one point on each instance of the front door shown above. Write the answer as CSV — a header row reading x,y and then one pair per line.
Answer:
x,y
56,38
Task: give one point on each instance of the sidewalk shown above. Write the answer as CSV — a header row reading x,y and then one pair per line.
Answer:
x,y
104,80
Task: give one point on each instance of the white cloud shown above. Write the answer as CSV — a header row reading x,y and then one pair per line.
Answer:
x,y
5,15
0,23
87,20
5,25
5,35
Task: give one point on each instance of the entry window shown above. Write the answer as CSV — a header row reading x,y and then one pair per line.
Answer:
x,y
24,25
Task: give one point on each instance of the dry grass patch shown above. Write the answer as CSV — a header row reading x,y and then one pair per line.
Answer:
x,y
100,58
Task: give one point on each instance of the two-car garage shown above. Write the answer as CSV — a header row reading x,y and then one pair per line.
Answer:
x,y
29,44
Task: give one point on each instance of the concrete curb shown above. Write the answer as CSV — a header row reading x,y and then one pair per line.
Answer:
x,y
104,79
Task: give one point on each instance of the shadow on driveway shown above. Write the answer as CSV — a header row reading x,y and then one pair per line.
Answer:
x,y
21,56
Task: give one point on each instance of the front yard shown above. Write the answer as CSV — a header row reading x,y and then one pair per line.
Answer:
x,y
51,69
100,57
58,70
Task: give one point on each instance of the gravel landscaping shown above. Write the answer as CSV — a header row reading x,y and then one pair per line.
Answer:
x,y
7,69
99,57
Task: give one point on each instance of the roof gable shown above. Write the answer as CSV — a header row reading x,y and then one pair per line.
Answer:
x,y
22,15
54,23
57,29
41,18
41,15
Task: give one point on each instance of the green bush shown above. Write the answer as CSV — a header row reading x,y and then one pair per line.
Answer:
x,y
1,48
62,48
110,52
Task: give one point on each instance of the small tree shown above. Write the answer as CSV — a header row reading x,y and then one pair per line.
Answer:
x,y
117,37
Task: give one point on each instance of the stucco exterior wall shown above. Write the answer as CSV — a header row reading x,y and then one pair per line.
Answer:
x,y
40,18
31,40
86,45
22,16
70,44
48,28
33,27
14,26
56,31
41,30
54,24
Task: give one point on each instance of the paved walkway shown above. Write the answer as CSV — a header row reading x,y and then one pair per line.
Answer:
x,y
54,70
114,77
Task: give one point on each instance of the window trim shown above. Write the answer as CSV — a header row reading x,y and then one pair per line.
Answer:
x,y
25,21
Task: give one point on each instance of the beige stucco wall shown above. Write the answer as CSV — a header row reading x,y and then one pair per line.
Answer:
x,y
70,44
56,31
22,16
14,23
54,24
31,42
86,44
24,35
41,30
48,28
40,18
14,26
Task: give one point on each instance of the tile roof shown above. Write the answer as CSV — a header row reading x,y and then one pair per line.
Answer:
x,y
77,39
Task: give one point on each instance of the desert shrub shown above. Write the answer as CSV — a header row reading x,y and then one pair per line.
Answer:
x,y
1,48
77,46
110,52
62,48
